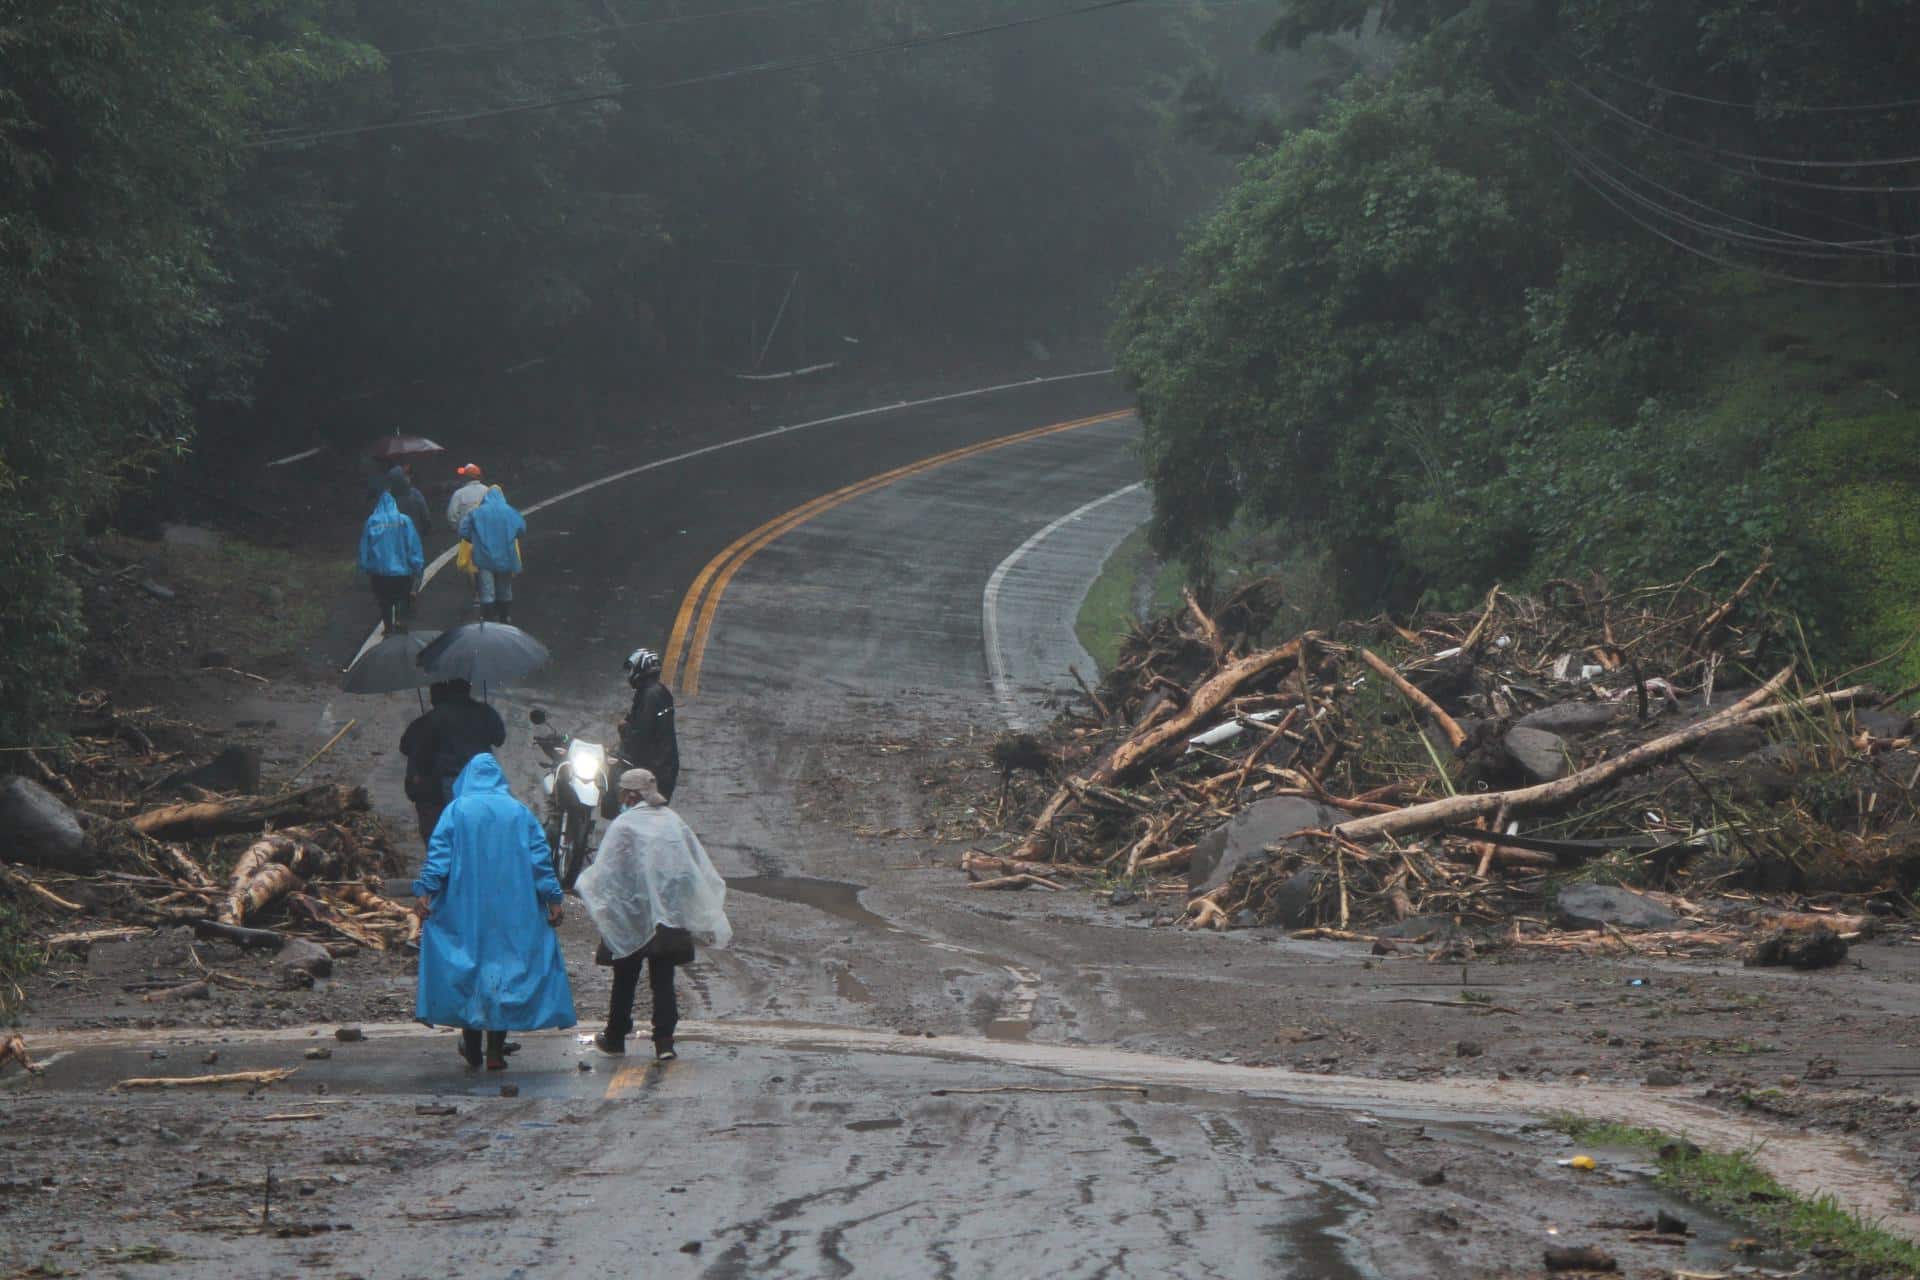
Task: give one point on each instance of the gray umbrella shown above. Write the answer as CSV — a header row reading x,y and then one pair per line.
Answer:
x,y
482,653
390,666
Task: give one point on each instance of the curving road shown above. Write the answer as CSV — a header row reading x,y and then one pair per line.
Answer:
x,y
888,1075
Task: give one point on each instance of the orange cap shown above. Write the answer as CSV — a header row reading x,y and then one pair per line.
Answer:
x,y
470,469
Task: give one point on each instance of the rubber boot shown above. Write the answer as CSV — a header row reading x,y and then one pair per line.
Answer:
x,y
506,610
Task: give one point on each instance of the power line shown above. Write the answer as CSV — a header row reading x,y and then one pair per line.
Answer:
x,y
604,28
1790,242
1638,123
736,73
1728,263
1859,108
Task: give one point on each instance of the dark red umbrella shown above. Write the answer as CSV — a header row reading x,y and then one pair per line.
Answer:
x,y
397,448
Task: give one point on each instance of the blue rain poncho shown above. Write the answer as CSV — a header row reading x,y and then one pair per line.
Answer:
x,y
651,871
389,544
494,529
488,958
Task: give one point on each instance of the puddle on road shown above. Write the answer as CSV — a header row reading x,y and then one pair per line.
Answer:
x,y
834,897
1319,1243
841,900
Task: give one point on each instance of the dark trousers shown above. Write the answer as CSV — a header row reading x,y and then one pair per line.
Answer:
x,y
392,595
626,981
429,812
470,1044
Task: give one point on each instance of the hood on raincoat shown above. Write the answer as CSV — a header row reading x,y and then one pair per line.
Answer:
x,y
494,529
488,958
389,544
651,871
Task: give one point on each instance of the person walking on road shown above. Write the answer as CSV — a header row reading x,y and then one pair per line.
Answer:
x,y
652,892
489,959
647,737
439,744
413,505
494,529
467,496
390,556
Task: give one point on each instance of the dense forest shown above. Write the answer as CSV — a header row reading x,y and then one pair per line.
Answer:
x,y
1580,287
233,224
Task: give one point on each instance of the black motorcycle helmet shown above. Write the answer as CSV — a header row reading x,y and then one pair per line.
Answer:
x,y
641,665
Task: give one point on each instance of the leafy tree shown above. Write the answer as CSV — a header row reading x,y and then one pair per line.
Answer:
x,y
123,124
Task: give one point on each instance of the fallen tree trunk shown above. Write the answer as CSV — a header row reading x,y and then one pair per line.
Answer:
x,y
250,813
1144,745
1551,795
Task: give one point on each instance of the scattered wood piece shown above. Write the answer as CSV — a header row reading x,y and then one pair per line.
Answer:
x,y
13,1048
32,887
251,813
270,1076
1035,1088
195,990
1456,736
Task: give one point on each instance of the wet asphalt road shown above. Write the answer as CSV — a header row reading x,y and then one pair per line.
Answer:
x,y
770,1150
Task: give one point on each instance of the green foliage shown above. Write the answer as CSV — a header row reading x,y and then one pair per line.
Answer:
x,y
1414,337
19,956
1363,280
121,128
1736,1185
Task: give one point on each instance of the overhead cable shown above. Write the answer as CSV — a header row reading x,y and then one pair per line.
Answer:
x,y
1638,123
1854,108
716,77
605,28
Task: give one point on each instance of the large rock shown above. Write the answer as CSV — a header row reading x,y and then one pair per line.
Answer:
x,y
37,829
1224,849
1591,906
299,956
1570,719
1541,754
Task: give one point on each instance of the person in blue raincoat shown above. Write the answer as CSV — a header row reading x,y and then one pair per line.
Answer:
x,y
489,959
494,529
390,556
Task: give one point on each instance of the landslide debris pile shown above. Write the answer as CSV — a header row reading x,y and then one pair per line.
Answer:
x,y
1540,771
121,831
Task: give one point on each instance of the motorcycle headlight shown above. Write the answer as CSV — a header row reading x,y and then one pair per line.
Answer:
x,y
586,759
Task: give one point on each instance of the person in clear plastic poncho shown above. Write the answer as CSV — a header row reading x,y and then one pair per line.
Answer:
x,y
652,892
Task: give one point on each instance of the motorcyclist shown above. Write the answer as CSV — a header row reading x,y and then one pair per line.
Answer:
x,y
647,739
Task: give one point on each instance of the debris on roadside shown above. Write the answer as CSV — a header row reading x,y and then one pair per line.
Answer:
x,y
90,845
1591,769
13,1048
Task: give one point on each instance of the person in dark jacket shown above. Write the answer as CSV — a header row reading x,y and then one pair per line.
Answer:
x,y
412,503
647,738
390,556
439,744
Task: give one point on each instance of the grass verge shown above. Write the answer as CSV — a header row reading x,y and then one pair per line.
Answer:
x,y
1132,583
1735,1186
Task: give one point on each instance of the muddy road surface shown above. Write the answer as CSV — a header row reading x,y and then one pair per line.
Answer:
x,y
888,1074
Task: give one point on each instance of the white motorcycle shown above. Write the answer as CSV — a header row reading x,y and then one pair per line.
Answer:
x,y
574,786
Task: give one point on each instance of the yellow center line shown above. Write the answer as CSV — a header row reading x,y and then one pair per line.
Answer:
x,y
693,625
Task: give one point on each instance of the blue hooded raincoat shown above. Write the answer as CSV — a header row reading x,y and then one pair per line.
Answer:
x,y
489,960
389,544
494,528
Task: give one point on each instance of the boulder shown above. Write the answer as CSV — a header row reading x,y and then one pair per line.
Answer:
x,y
299,956
1570,719
1295,904
38,829
1591,906
1541,754
1883,724
1221,851
236,769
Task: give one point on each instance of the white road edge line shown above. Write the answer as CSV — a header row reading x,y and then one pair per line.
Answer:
x,y
445,558
1003,692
